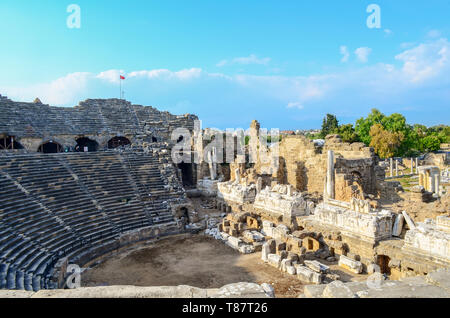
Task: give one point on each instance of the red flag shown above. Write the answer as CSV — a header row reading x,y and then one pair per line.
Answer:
x,y
122,77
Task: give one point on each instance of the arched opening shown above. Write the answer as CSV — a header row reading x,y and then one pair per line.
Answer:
x,y
356,177
118,142
9,143
50,147
86,145
185,214
383,262
154,139
186,174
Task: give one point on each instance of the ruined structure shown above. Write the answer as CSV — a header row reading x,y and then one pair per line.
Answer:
x,y
77,183
344,223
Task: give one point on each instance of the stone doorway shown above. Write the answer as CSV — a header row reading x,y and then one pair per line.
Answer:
x,y
383,262
50,147
186,174
118,142
86,144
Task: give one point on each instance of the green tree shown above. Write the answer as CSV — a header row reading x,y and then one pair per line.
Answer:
x,y
347,132
363,125
329,125
431,143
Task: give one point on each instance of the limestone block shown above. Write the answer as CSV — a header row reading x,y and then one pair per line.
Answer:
x,y
373,268
265,252
307,275
398,225
274,260
234,242
317,267
253,236
246,249
284,263
350,264
225,236
291,270
281,232
408,220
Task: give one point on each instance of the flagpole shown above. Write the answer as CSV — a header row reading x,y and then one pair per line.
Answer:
x,y
120,92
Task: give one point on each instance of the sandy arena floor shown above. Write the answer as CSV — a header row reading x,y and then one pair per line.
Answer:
x,y
194,260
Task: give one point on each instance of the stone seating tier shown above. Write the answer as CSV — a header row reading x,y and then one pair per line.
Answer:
x,y
64,205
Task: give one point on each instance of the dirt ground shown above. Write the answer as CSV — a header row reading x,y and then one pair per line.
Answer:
x,y
195,260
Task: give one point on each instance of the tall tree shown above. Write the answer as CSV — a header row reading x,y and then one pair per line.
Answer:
x,y
329,125
384,142
363,125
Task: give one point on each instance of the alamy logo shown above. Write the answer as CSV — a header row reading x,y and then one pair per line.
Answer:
x,y
74,20
374,20
74,279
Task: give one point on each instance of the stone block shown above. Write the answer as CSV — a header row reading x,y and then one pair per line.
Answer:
x,y
291,270
317,267
350,264
246,249
234,242
274,260
307,275
398,225
265,251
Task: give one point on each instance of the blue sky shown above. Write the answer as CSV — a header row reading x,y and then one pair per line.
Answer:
x,y
285,63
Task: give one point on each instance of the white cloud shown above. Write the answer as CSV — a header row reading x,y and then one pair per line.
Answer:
x,y
112,76
345,53
185,74
295,105
251,59
362,54
388,32
58,92
426,60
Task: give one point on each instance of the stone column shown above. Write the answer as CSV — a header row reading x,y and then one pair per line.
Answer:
x,y
259,185
237,174
330,175
212,171
396,167
417,164
391,166
412,166
437,182
431,182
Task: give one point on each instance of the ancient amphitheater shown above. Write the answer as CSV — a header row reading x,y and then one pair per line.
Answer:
x,y
96,186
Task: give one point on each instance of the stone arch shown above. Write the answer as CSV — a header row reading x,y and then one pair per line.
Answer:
x,y
9,143
118,141
84,143
50,147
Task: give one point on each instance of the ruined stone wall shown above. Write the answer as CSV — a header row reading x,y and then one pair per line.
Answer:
x,y
304,165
